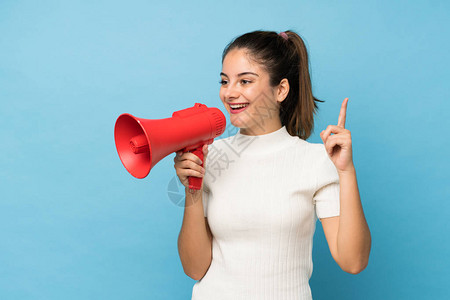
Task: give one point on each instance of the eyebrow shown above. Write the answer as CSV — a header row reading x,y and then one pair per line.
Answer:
x,y
241,74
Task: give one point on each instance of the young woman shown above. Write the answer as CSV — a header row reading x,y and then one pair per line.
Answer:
x,y
248,233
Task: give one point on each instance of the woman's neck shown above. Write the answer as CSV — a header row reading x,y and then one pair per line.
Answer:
x,y
260,130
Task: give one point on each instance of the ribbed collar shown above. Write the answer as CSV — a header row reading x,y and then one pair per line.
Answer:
x,y
261,144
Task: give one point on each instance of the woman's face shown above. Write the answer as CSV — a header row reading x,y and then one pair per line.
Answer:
x,y
243,81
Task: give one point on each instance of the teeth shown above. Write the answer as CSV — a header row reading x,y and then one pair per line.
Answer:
x,y
234,106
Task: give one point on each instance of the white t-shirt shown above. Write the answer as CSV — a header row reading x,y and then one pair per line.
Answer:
x,y
262,196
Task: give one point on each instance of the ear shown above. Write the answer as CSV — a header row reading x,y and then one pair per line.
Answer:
x,y
283,90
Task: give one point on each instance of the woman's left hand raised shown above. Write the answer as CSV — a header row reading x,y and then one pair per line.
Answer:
x,y
339,145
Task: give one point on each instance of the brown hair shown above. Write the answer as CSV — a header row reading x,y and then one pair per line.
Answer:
x,y
284,59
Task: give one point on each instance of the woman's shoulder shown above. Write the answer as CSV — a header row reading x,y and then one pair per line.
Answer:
x,y
314,147
315,152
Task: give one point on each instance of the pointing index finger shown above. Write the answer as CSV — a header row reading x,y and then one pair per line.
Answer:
x,y
342,114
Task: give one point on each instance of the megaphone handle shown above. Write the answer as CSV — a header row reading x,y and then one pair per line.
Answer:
x,y
195,183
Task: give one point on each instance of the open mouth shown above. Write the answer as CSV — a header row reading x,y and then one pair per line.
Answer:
x,y
236,108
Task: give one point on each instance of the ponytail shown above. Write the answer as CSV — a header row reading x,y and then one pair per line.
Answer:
x,y
297,113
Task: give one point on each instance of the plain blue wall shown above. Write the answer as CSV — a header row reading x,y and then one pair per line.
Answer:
x,y
75,225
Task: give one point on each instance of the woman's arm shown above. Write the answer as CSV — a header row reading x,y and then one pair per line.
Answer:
x,y
195,239
348,235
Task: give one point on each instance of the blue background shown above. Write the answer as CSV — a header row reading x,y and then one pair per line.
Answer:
x,y
75,225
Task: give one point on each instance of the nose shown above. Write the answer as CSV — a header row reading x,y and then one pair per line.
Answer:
x,y
231,92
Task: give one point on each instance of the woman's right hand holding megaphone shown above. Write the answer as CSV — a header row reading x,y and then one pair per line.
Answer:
x,y
188,164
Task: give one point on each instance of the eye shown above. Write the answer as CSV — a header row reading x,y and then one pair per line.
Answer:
x,y
222,82
243,81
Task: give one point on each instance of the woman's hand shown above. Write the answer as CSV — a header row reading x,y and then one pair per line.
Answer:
x,y
339,145
188,164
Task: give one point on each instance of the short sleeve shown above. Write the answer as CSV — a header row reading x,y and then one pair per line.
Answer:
x,y
326,196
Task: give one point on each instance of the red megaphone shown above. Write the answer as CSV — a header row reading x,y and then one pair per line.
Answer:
x,y
142,143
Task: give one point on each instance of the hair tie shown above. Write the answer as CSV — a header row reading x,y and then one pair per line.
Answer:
x,y
284,35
